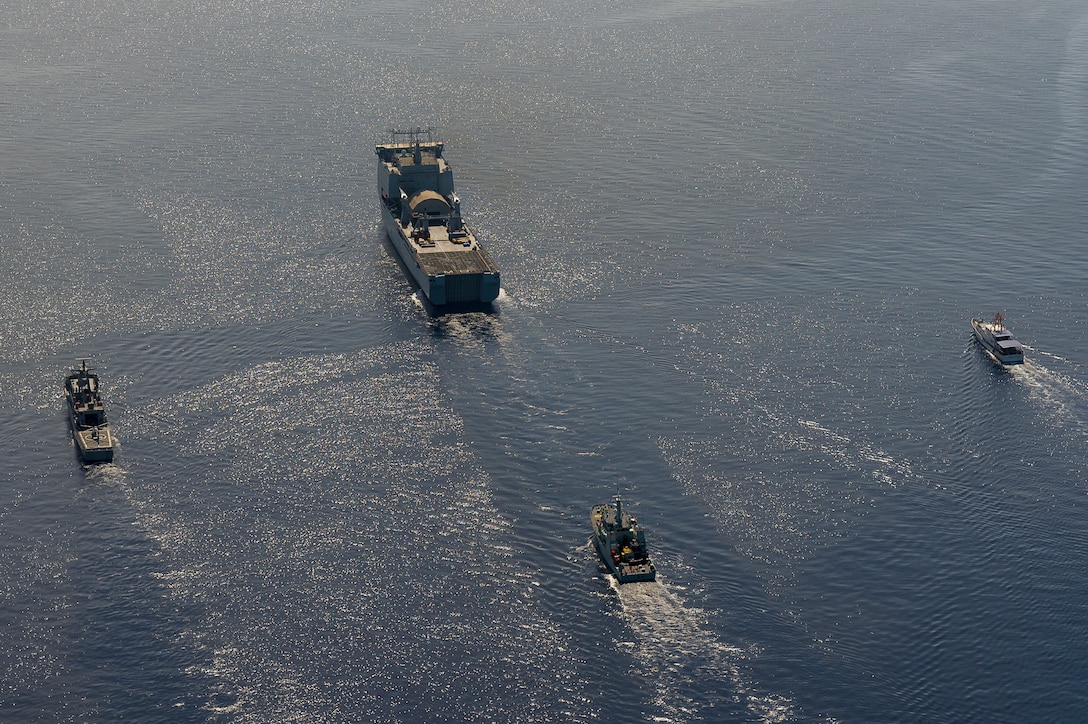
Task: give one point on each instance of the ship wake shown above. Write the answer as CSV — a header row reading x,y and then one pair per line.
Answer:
x,y
1064,396
694,675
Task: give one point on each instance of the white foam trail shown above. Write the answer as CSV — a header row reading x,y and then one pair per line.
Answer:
x,y
1064,396
674,641
1043,353
109,473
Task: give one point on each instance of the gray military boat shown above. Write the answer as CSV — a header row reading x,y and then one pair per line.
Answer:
x,y
87,415
621,543
422,216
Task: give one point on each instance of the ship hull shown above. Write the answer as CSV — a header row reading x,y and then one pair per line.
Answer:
x,y
441,288
403,248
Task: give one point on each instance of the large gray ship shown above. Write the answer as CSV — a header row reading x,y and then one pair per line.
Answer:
x,y
422,216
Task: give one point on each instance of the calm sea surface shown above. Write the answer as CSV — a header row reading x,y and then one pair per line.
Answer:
x,y
741,244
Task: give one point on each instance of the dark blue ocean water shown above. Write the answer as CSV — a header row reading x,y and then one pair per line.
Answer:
x,y
741,244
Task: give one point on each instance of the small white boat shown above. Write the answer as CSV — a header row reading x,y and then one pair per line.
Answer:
x,y
87,415
997,340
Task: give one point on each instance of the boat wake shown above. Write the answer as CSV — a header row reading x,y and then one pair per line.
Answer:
x,y
1065,396
690,669
781,513
478,331
1049,355
105,473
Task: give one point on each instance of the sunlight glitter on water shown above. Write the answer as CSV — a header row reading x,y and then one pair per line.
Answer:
x,y
383,540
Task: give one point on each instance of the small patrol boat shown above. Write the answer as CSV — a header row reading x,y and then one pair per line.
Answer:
x,y
997,340
621,543
87,415
422,217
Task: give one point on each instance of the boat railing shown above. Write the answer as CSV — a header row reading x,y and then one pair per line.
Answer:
x,y
411,138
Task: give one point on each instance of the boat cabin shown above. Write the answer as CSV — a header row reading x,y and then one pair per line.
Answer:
x,y
1008,346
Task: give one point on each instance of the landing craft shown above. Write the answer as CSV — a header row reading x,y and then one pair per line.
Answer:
x,y
422,217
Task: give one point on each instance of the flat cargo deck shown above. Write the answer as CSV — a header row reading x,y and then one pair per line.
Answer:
x,y
469,261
